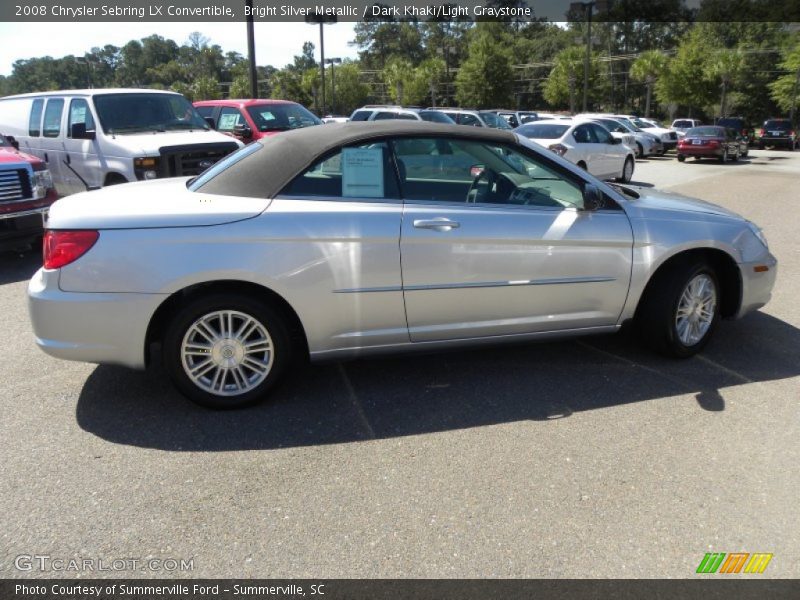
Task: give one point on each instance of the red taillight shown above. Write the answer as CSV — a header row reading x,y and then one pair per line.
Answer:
x,y
61,248
712,143
761,133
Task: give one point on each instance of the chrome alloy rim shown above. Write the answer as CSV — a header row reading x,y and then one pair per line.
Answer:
x,y
227,353
696,309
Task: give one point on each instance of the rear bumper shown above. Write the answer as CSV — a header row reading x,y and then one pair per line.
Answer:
x,y
700,151
757,285
776,141
94,327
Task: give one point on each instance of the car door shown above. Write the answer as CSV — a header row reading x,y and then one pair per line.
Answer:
x,y
82,169
613,155
592,154
52,149
494,242
348,204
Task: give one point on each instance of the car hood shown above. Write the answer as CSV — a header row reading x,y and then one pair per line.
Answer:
x,y
651,201
150,204
149,143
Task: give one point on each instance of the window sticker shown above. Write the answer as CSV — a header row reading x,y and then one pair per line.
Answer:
x,y
228,121
362,172
267,116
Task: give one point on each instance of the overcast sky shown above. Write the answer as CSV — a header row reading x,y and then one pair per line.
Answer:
x,y
276,43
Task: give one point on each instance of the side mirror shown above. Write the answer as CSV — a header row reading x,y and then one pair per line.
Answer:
x,y
592,198
210,121
78,131
476,171
13,142
615,140
242,131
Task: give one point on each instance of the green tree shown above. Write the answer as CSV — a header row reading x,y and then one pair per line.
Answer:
x,y
429,77
485,78
206,88
685,82
398,76
785,90
566,79
725,66
647,68
351,92
240,87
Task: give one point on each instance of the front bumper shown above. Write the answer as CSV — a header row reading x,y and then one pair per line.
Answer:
x,y
18,229
90,327
757,284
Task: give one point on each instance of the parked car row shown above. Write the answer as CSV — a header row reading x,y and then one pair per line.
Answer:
x,y
776,133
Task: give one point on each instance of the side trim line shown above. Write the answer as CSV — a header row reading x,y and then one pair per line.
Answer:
x,y
477,284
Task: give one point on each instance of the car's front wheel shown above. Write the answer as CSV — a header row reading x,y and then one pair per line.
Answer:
x,y
226,350
680,310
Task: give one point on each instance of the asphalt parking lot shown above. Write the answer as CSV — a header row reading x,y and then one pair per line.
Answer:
x,y
589,458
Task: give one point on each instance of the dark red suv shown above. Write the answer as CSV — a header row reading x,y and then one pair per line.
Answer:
x,y
251,120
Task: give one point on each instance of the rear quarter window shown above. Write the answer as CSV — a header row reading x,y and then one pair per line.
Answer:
x,y
35,121
361,115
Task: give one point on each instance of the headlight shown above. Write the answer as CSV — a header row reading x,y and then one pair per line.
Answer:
x,y
42,181
758,233
146,167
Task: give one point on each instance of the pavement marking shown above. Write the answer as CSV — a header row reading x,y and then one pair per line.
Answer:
x,y
351,393
724,369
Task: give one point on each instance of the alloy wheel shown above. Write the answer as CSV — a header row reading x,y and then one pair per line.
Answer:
x,y
696,309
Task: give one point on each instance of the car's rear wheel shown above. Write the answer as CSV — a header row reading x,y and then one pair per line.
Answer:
x,y
627,170
226,350
680,310
681,158
639,150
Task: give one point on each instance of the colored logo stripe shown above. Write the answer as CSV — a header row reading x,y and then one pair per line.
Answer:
x,y
735,561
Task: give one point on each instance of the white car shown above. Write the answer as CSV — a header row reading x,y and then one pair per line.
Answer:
x,y
668,137
586,144
681,126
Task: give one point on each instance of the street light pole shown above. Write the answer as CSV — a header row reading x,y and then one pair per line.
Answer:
x,y
251,51
322,19
331,62
588,6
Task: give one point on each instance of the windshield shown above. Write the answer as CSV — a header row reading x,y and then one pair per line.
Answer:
x,y
281,117
682,124
4,142
435,116
135,113
492,120
706,132
628,124
539,131
615,126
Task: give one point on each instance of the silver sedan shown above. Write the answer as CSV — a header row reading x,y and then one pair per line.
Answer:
x,y
361,238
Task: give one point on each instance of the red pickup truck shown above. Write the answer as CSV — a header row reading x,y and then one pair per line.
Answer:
x,y
26,193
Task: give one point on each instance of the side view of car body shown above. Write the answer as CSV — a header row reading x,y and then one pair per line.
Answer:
x,y
476,118
711,141
26,192
363,238
588,145
250,120
515,118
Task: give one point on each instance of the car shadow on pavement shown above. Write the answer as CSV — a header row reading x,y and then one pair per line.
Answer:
x,y
418,394
19,266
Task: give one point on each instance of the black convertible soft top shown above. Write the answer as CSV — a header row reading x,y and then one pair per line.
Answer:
x,y
265,173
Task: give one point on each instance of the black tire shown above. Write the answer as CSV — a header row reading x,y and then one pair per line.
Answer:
x,y
736,156
639,150
761,146
626,177
273,321
681,158
656,317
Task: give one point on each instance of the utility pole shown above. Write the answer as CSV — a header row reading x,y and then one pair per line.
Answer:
x,y
331,62
794,98
587,8
322,19
251,51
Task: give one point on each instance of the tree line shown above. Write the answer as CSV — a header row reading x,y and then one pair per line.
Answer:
x,y
665,67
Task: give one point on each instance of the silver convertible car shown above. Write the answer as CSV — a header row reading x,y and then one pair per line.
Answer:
x,y
359,238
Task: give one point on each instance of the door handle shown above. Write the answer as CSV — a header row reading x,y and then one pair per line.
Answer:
x,y
437,224
46,158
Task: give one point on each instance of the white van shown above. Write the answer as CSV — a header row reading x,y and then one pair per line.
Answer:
x,y
94,138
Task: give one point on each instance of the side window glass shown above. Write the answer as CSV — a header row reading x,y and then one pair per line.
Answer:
x,y
52,117
35,121
355,172
469,172
361,115
601,134
79,113
468,119
583,135
229,118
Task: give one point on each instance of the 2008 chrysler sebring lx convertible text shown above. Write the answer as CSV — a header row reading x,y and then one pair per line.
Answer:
x,y
359,238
